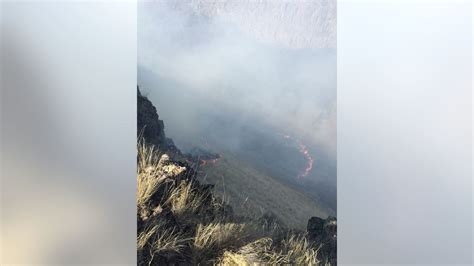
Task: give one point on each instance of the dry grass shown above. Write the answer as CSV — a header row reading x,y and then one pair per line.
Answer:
x,y
211,240
218,235
292,251
191,205
161,241
185,201
145,236
169,240
297,250
254,253
153,171
149,176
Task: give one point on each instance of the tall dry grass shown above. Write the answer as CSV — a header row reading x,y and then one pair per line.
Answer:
x,y
149,175
162,239
185,201
213,239
297,250
255,253
294,250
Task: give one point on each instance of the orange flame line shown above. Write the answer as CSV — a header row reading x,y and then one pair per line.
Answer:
x,y
304,150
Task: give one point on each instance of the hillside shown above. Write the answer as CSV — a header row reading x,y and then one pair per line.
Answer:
x,y
251,192
181,220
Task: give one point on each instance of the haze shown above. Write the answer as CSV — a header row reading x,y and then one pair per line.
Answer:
x,y
226,72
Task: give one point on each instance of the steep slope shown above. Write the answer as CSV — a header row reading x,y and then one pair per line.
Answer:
x,y
182,221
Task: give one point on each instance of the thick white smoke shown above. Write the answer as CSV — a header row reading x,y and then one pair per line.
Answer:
x,y
251,61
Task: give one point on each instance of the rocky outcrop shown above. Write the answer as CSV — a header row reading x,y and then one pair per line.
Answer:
x,y
323,232
150,128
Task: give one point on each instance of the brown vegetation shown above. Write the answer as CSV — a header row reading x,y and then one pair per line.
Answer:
x,y
182,221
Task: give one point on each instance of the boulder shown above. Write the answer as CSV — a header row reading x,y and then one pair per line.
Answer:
x,y
323,233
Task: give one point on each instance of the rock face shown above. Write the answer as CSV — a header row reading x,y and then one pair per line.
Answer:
x,y
150,127
324,232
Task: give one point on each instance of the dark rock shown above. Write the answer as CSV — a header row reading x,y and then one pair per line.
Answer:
x,y
315,228
150,127
323,232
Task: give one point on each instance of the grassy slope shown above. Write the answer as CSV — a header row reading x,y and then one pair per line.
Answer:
x,y
252,192
181,222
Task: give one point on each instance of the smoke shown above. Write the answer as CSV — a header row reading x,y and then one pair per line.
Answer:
x,y
212,69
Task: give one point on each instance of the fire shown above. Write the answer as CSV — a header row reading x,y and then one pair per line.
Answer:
x,y
210,161
309,160
304,150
